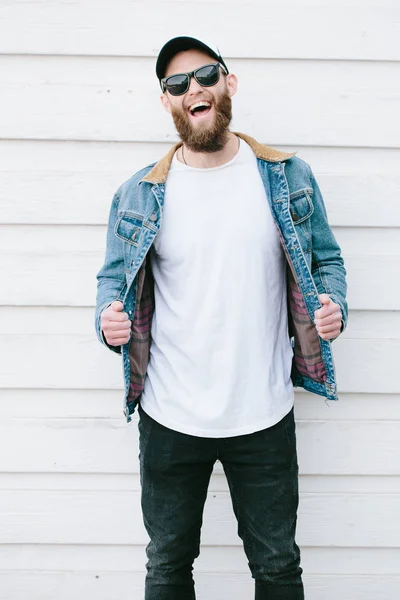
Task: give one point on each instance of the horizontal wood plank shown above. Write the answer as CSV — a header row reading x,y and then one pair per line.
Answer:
x,y
286,30
106,585
78,320
80,98
57,265
106,404
327,484
63,445
32,337
80,362
84,517
229,559
73,182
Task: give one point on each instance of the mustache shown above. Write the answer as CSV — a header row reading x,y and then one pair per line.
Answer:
x,y
200,99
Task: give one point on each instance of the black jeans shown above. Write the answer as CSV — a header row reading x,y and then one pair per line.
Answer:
x,y
262,473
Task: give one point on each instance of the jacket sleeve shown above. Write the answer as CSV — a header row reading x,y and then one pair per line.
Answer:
x,y
327,265
111,282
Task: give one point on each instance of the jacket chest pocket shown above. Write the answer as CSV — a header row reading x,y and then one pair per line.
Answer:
x,y
129,229
301,208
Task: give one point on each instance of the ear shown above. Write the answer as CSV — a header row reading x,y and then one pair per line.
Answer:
x,y
165,102
231,83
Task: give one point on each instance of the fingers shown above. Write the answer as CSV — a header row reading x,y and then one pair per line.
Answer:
x,y
117,337
115,327
326,310
328,318
122,326
329,327
112,315
331,319
328,307
328,335
115,324
118,341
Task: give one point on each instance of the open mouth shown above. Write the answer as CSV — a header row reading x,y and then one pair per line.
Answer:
x,y
199,109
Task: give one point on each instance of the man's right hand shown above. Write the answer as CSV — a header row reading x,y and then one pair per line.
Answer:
x,y
115,324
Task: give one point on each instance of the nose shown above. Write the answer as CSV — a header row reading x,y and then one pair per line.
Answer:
x,y
194,87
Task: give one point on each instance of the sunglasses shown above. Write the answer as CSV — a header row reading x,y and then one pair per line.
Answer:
x,y
206,76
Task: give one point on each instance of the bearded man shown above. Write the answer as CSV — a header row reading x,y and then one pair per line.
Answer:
x,y
223,287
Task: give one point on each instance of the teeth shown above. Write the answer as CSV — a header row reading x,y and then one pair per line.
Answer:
x,y
191,108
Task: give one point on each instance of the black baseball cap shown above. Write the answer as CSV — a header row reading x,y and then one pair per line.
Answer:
x,y
178,44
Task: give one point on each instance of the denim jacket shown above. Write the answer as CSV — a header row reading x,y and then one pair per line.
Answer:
x,y
314,265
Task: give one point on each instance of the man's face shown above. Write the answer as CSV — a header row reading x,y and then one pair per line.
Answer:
x,y
205,130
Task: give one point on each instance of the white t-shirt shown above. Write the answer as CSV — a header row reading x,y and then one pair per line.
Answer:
x,y
220,357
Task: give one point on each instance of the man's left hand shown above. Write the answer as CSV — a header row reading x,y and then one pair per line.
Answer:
x,y
328,318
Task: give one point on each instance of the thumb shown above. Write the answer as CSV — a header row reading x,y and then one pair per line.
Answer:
x,y
117,305
324,298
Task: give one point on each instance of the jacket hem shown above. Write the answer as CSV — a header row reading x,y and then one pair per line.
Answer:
x,y
328,390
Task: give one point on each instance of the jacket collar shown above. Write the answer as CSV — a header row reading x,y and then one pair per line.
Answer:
x,y
159,172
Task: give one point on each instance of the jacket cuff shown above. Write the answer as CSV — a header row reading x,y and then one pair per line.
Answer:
x,y
343,322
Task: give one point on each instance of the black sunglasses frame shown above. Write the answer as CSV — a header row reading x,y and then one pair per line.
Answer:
x,y
164,84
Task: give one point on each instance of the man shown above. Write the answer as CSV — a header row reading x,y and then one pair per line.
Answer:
x,y
222,287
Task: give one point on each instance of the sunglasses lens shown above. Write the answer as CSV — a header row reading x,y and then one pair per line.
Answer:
x,y
208,75
177,84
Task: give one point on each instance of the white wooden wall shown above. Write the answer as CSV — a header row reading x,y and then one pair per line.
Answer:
x,y
320,77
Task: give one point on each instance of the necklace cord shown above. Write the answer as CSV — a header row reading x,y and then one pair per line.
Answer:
x,y
183,156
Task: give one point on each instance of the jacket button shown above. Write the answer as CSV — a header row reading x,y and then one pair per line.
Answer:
x,y
153,217
295,217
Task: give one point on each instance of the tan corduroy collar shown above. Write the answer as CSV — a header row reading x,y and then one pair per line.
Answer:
x,y
159,172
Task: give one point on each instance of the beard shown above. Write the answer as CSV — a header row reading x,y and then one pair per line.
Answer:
x,y
209,139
